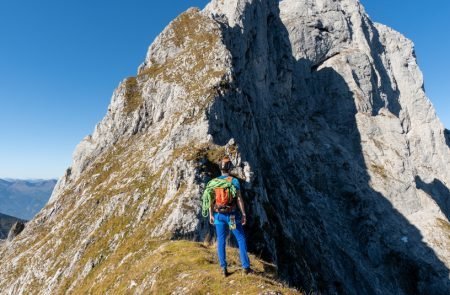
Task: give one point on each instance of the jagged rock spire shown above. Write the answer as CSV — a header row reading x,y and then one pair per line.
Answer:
x,y
235,11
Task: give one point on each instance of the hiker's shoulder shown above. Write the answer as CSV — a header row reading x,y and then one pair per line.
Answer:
x,y
235,182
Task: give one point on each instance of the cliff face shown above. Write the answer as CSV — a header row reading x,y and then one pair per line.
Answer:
x,y
323,112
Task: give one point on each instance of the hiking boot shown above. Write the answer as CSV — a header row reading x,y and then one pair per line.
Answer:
x,y
225,272
248,270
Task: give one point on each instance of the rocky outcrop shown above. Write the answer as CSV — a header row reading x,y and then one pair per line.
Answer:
x,y
341,155
16,229
6,223
329,134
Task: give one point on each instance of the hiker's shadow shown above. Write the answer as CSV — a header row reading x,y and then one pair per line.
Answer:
x,y
312,209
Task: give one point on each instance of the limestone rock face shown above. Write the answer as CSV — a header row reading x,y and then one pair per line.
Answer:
x,y
341,156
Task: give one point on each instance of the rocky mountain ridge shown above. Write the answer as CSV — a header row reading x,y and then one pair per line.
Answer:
x,y
341,156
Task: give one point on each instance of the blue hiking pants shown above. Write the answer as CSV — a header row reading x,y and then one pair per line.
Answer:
x,y
221,221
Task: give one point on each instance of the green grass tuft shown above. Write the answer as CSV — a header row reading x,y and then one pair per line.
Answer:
x,y
133,95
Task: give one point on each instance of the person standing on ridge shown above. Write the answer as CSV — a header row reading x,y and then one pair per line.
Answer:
x,y
221,198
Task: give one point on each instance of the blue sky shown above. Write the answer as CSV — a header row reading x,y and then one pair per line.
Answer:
x,y
61,60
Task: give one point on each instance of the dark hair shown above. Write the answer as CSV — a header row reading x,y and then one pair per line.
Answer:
x,y
226,164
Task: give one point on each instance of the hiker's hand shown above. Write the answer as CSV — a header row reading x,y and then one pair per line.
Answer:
x,y
244,219
211,219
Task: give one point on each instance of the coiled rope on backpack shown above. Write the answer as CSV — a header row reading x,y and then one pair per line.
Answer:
x,y
207,194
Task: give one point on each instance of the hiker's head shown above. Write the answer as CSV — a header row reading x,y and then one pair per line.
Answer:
x,y
226,165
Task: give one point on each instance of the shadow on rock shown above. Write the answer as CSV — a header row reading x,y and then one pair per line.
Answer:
x,y
438,192
447,137
16,229
312,210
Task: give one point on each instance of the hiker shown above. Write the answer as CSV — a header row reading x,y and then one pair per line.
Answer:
x,y
221,199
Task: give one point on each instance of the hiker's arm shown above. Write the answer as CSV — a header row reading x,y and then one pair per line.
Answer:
x,y
240,202
211,213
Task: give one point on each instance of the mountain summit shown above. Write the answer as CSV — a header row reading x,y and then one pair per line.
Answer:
x,y
323,112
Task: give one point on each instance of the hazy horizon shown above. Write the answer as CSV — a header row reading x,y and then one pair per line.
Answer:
x,y
28,179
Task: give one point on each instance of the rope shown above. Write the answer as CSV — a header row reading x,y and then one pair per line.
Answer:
x,y
207,194
206,205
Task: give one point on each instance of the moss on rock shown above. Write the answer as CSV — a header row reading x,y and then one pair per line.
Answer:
x,y
195,65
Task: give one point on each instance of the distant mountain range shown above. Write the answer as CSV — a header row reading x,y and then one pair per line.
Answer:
x,y
24,198
6,222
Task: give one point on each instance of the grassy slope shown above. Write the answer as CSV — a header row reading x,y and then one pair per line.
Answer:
x,y
185,267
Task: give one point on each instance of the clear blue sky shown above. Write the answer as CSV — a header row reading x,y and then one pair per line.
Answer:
x,y
61,60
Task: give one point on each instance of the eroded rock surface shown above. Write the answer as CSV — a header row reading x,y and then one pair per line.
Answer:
x,y
323,112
